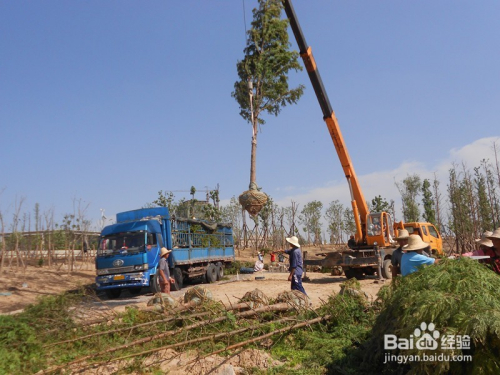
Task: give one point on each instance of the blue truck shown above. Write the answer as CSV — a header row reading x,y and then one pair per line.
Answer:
x,y
129,251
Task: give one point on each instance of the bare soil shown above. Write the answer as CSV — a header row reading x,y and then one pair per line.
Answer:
x,y
20,287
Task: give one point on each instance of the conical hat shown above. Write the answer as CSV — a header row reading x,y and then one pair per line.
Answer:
x,y
415,243
403,235
495,235
484,239
293,240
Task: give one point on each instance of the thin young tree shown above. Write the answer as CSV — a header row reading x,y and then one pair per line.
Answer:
x,y
429,213
348,223
437,202
492,190
15,222
232,214
311,219
334,217
49,228
483,203
263,82
409,189
291,215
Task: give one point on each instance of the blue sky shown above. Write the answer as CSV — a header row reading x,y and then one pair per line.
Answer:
x,y
111,101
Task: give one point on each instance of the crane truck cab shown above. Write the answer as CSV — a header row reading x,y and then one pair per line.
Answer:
x,y
379,229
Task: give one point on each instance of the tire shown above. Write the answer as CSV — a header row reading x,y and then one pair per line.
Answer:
x,y
211,273
349,273
220,271
135,291
178,277
370,271
387,269
113,293
359,273
154,285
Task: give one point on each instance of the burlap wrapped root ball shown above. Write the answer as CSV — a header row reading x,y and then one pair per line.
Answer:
x,y
197,295
252,201
255,298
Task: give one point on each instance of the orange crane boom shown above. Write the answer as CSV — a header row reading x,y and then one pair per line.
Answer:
x,y
359,206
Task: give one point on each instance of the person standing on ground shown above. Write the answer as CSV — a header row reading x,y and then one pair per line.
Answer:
x,y
296,264
398,253
164,271
273,258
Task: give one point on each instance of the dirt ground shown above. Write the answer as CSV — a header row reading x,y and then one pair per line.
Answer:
x,y
21,287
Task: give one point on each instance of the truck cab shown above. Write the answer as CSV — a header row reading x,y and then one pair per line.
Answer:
x,y
128,256
429,234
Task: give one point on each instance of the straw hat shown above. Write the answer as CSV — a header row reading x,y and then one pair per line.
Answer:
x,y
403,235
415,243
495,235
164,251
484,239
293,240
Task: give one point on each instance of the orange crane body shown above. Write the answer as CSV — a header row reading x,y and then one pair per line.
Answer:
x,y
373,230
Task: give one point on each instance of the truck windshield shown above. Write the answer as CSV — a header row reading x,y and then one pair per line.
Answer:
x,y
119,243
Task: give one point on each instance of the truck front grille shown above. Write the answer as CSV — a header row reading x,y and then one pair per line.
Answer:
x,y
112,271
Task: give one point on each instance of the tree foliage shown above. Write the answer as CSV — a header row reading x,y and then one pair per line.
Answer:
x,y
409,189
429,214
266,65
311,219
380,204
334,216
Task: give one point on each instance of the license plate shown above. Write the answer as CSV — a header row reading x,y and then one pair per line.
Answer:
x,y
119,277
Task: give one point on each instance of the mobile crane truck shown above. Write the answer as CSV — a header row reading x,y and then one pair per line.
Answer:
x,y
129,251
374,231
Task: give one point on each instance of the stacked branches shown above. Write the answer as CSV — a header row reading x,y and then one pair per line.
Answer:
x,y
211,329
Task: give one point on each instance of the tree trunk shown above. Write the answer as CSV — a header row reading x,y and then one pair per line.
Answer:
x,y
253,158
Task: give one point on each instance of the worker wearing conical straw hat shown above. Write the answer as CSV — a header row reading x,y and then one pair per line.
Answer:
x,y
413,258
296,267
164,271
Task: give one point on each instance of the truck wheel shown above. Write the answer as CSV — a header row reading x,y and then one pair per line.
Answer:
x,y
212,273
349,273
135,291
179,281
113,293
154,284
387,269
359,273
220,271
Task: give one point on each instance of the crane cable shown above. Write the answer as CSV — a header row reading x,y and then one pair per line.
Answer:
x,y
245,20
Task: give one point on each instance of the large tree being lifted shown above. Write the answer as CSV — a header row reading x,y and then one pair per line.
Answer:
x,y
263,84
